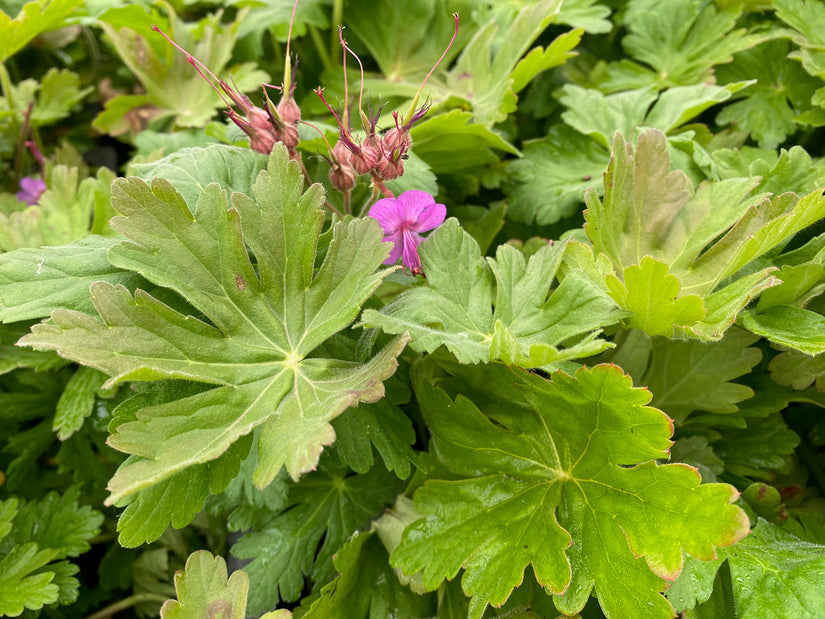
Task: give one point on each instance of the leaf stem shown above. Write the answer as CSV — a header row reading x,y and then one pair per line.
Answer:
x,y
125,603
318,42
337,18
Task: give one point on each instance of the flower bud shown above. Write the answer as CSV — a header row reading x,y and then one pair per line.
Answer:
x,y
368,156
388,170
343,176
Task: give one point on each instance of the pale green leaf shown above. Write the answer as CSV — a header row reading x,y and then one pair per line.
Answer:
x,y
191,170
653,295
798,370
264,323
33,282
569,460
203,590
529,323
35,17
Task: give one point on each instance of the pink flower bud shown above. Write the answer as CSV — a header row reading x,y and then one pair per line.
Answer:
x,y
343,177
368,156
388,170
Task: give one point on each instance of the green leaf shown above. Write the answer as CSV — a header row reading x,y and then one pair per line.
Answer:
x,y
367,587
191,170
788,325
762,449
677,44
172,85
529,322
487,75
689,376
34,18
798,370
204,590
34,282
449,143
770,106
59,93
323,511
570,460
653,295
77,401
35,534
770,569
380,424
696,451
702,237
549,181
264,323
585,14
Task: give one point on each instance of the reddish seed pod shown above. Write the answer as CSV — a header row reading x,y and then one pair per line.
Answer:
x,y
343,177
288,110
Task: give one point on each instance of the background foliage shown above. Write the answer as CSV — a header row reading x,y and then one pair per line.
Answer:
x,y
604,399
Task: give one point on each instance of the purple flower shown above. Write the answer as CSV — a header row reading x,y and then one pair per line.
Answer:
x,y
30,190
403,219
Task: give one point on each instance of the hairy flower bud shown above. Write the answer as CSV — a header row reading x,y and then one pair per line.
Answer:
x,y
388,170
368,156
343,177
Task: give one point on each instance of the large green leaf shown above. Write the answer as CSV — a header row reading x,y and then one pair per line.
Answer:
x,y
652,221
33,282
252,335
529,322
566,460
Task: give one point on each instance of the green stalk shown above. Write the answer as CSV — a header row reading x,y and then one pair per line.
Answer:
x,y
127,603
337,19
318,42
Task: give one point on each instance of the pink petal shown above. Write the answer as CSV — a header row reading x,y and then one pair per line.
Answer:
x,y
410,252
395,253
390,214
422,211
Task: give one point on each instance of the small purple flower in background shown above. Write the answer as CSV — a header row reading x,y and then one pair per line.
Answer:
x,y
403,219
30,190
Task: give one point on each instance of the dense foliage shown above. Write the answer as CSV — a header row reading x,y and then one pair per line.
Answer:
x,y
594,390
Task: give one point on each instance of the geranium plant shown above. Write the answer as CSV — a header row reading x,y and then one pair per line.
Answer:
x,y
474,310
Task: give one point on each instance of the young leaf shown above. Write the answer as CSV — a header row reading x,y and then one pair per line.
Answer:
x,y
263,324
528,323
571,460
77,401
34,18
650,214
204,590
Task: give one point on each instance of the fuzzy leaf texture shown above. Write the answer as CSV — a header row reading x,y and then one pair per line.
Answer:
x,y
674,249
564,479
253,347
529,322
